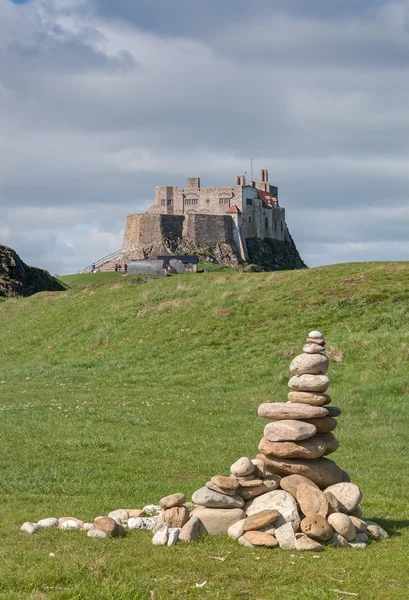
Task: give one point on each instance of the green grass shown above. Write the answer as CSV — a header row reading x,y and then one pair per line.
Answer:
x,y
117,392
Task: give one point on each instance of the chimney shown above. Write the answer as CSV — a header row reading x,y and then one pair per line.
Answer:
x,y
242,180
266,175
193,182
237,180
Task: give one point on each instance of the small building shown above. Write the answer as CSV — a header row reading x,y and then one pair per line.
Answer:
x,y
189,262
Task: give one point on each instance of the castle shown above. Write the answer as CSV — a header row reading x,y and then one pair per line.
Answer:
x,y
240,223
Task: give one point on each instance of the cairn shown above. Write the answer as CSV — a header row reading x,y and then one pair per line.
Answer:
x,y
290,496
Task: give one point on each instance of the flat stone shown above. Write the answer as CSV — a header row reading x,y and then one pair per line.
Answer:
x,y
173,536
161,537
258,538
242,467
47,523
343,525
280,411
211,499
147,523
333,504
376,531
337,541
236,530
289,431
313,348
359,524
316,527
174,517
311,398
243,542
134,512
259,468
172,501
192,530
260,520
219,490
228,483
245,478
309,383
268,485
106,524
291,483
322,471
29,527
323,425
314,447
304,543
251,483
285,536
357,545
69,524
61,520
316,335
121,513
311,500
278,500
348,495
319,342
311,364
330,441
334,411
96,533
361,538
218,520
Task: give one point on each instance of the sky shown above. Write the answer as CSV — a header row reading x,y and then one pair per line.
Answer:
x,y
101,101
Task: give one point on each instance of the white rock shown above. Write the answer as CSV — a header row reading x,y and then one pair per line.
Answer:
x,y
285,536
161,537
117,520
243,542
236,530
173,536
151,510
96,533
276,500
376,531
316,335
87,526
121,513
242,467
70,525
348,495
357,545
29,527
46,523
147,523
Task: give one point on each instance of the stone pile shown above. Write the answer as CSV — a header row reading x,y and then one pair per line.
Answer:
x,y
290,496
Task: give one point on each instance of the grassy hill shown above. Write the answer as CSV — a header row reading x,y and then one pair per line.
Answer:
x,y
121,390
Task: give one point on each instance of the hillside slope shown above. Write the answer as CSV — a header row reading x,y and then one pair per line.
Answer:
x,y
18,279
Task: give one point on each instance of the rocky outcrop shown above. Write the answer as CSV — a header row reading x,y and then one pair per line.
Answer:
x,y
274,255
18,279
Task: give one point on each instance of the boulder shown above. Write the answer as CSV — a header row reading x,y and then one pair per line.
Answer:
x,y
321,471
192,530
211,499
313,447
242,467
218,520
258,538
285,536
291,483
311,500
236,530
316,527
174,517
260,520
348,495
309,383
312,364
311,398
289,431
172,501
105,524
343,525
281,411
304,543
376,531
278,500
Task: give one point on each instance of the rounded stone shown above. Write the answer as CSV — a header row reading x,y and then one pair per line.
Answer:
x,y
330,441
285,536
259,468
192,530
322,471
376,531
334,411
309,383
289,431
357,513
218,520
211,499
357,545
348,495
361,538
313,447
147,523
236,530
46,523
280,411
268,485
161,536
62,520
311,348
260,519
242,467
121,513
172,501
278,500
291,484
311,398
337,541
343,525
311,364
317,527
323,425
106,524
311,500
304,543
359,524
220,490
133,513
316,335
228,483
69,524
88,526
258,538
174,517
29,527
320,342
96,533
333,504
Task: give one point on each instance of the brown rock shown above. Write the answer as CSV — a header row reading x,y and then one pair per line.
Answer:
x,y
291,483
172,501
320,470
259,468
250,483
319,341
268,485
323,425
280,411
260,519
258,538
317,527
105,524
313,348
309,383
311,398
192,530
348,495
218,520
314,447
359,524
311,500
134,512
62,520
333,504
337,541
330,441
304,543
229,483
343,525
175,517
289,431
220,490
312,364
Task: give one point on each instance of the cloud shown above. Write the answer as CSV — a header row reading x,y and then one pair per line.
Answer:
x,y
101,101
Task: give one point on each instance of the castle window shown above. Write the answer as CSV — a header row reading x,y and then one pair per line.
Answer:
x,y
169,202
207,200
281,225
188,202
249,219
249,201
266,222
223,200
275,224
194,201
163,202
